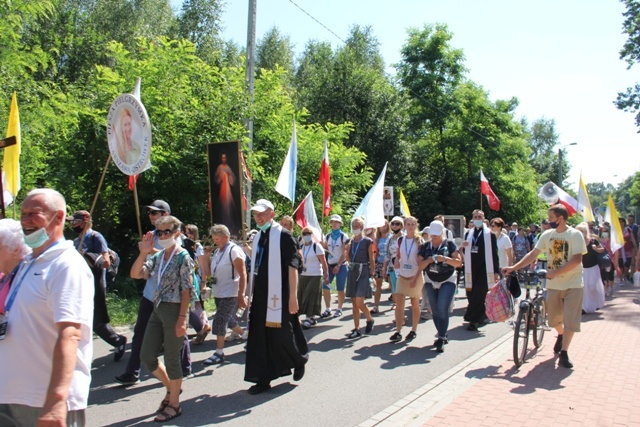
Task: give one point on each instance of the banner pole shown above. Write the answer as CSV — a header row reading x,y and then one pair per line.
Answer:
x,y
95,200
135,201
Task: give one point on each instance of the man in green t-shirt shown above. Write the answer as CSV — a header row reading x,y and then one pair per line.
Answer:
x,y
564,247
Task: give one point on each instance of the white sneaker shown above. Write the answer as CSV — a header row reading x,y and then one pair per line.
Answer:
x,y
233,336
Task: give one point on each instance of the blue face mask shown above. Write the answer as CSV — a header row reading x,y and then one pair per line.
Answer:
x,y
477,223
307,239
265,226
38,237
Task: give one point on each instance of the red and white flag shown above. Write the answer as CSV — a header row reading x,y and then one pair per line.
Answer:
x,y
325,181
485,188
305,215
552,194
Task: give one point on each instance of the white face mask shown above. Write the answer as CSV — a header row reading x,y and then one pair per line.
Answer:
x,y
167,243
356,231
307,239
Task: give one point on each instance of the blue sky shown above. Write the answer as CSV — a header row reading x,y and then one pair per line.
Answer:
x,y
559,58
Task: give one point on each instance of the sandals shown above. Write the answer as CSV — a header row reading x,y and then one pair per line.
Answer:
x,y
214,359
375,310
166,416
165,403
200,337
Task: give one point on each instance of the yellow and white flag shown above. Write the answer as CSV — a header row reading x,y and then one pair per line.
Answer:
x,y
611,216
11,160
584,206
404,207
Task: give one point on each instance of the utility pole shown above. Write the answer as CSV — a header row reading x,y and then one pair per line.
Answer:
x,y
251,65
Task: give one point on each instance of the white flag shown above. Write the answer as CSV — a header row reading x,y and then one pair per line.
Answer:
x,y
306,216
372,206
286,184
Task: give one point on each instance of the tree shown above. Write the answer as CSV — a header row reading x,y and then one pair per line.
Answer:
x,y
543,140
630,52
199,22
275,50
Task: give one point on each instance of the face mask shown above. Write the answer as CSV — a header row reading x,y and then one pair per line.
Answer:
x,y
167,243
307,239
264,227
496,232
356,232
553,224
605,234
78,229
38,237
397,230
477,223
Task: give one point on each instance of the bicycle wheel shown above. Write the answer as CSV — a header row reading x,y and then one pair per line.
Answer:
x,y
521,337
540,321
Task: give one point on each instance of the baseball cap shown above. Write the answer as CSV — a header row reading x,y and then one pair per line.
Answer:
x,y
79,215
159,205
425,230
436,228
337,218
262,205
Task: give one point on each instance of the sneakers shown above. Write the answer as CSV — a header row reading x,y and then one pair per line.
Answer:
x,y
308,323
354,334
395,337
411,336
439,344
564,360
127,379
188,375
369,326
375,310
233,336
119,353
326,313
337,313
558,345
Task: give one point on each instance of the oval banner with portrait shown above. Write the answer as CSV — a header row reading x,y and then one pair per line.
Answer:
x,y
129,134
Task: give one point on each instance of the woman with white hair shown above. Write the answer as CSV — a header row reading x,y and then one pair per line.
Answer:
x,y
12,251
593,296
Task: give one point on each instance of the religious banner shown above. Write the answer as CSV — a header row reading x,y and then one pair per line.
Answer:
x,y
225,186
129,134
387,201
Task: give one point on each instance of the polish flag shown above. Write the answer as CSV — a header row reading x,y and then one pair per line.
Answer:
x,y
305,215
325,181
494,202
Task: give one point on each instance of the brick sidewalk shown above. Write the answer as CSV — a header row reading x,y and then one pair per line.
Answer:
x,y
602,389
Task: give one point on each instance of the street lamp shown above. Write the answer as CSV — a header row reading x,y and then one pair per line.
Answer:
x,y
560,162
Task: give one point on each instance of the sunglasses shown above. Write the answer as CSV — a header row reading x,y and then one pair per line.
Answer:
x,y
166,232
306,234
396,223
150,212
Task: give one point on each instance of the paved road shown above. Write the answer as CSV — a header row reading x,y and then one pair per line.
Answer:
x,y
346,382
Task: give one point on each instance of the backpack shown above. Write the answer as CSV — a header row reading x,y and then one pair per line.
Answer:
x,y
194,276
498,303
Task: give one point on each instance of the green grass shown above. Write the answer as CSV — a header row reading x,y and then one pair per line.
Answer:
x,y
122,311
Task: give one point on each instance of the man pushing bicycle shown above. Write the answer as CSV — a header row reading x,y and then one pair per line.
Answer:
x,y
564,247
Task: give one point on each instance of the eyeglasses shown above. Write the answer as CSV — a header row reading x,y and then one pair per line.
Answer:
x,y
150,212
76,221
396,223
166,232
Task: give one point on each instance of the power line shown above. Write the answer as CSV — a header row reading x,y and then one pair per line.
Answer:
x,y
320,23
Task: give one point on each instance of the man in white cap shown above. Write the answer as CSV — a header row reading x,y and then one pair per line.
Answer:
x,y
336,245
276,343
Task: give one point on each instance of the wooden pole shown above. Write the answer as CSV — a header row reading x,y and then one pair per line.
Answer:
x,y
95,200
137,206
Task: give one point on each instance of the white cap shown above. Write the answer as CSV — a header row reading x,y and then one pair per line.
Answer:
x,y
398,219
336,217
425,230
436,228
262,205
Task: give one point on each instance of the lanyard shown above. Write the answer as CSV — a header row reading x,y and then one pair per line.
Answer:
x,y
410,249
334,244
16,288
354,252
215,267
305,254
9,277
475,238
161,270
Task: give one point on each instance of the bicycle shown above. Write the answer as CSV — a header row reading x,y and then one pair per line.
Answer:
x,y
532,315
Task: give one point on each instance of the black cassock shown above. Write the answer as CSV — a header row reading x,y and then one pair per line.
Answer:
x,y
273,352
475,309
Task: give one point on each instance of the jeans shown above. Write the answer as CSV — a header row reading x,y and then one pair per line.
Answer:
x,y
440,301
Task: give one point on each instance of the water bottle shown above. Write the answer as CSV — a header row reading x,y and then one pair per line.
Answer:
x,y
372,284
446,251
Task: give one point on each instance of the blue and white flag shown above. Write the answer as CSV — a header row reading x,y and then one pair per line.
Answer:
x,y
286,184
